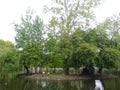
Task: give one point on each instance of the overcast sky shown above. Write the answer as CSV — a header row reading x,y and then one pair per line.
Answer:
x,y
11,10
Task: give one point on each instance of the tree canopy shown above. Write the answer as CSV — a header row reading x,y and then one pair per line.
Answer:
x,y
8,60
68,40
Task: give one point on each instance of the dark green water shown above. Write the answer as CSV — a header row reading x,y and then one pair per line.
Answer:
x,y
21,84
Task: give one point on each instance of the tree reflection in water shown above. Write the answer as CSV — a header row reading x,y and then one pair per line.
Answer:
x,y
98,85
23,84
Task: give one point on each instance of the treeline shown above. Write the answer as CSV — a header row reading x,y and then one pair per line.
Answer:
x,y
70,39
8,58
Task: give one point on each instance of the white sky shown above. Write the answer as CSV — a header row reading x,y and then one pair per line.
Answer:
x,y
11,10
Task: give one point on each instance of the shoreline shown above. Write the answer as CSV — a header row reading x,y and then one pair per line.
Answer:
x,y
67,77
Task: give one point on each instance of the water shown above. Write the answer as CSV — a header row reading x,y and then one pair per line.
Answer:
x,y
21,84
98,85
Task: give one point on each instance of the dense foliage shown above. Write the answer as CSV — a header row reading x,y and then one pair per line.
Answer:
x,y
8,57
68,40
30,39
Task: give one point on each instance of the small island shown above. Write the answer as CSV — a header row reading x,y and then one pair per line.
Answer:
x,y
66,41
64,47
60,76
68,78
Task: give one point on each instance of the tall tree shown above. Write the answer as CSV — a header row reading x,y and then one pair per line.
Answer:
x,y
113,27
69,15
29,37
108,42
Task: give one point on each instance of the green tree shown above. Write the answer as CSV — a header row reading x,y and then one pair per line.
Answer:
x,y
84,56
52,55
29,37
8,57
113,27
69,15
108,38
108,58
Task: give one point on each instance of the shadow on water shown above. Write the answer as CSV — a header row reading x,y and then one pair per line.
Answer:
x,y
22,84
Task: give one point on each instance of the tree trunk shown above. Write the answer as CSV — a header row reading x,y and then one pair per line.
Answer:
x,y
35,69
66,67
91,70
100,70
85,71
88,71
54,71
35,59
27,70
67,70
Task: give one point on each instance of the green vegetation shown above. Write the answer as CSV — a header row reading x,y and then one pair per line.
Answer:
x,y
30,38
68,40
8,58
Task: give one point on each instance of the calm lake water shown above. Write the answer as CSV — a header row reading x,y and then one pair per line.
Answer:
x,y
21,84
